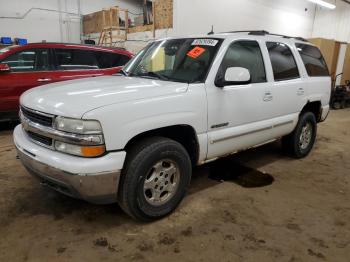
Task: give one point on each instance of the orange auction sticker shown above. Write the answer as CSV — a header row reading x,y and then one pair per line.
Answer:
x,y
195,52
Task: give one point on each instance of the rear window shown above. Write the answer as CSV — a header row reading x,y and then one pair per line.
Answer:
x,y
283,62
313,60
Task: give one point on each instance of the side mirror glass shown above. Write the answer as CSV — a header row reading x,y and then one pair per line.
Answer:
x,y
4,68
234,76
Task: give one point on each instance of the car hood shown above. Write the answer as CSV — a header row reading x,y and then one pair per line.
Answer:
x,y
76,97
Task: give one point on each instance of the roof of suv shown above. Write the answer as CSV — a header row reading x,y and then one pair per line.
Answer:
x,y
11,49
251,35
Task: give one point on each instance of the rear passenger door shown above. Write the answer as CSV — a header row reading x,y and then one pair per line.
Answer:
x,y
288,89
75,63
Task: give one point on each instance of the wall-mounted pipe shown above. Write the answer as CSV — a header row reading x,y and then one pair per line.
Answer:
x,y
40,9
81,21
60,19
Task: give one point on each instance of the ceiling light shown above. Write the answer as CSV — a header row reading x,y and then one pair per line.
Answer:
x,y
324,4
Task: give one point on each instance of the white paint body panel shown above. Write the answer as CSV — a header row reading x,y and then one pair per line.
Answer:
x,y
129,106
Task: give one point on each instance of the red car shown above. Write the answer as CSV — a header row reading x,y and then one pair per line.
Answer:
x,y
24,67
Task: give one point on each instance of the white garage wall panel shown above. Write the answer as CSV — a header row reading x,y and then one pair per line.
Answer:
x,y
333,24
277,16
41,25
341,62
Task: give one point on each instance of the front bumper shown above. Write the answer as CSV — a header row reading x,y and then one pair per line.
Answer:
x,y
93,179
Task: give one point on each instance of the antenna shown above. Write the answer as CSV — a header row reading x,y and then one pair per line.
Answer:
x,y
212,30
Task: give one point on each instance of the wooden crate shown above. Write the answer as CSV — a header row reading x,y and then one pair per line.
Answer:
x,y
93,23
163,16
163,10
96,22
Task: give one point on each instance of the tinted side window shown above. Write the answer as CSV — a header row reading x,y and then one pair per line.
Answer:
x,y
29,60
283,62
108,60
75,59
245,54
313,60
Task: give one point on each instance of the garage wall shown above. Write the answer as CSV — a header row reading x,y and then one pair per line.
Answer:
x,y
277,16
41,25
333,24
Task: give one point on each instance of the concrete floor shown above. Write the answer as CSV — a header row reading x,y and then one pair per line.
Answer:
x,y
255,206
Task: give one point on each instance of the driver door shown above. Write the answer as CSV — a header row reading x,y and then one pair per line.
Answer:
x,y
239,115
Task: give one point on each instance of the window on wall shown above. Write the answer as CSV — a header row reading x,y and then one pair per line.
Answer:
x,y
283,62
29,60
245,54
313,60
75,59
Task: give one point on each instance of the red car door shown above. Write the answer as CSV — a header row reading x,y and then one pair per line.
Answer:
x,y
28,69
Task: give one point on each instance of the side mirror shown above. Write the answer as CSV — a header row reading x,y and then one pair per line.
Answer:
x,y
4,68
234,76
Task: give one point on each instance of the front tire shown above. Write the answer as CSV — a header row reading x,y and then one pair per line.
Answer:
x,y
155,178
300,142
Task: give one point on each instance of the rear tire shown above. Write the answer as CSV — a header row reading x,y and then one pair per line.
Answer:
x,y
155,178
299,143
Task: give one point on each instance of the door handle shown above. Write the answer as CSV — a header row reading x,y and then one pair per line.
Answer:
x,y
44,79
268,96
300,91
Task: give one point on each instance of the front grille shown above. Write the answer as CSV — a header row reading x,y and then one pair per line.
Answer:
x,y
41,139
37,117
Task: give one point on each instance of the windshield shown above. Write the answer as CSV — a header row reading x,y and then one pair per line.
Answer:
x,y
182,60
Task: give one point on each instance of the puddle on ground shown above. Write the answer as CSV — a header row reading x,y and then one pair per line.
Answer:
x,y
225,170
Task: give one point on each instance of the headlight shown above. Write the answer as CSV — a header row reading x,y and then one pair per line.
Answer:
x,y
85,151
78,126
83,137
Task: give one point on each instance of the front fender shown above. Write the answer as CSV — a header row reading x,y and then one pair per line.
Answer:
x,y
121,122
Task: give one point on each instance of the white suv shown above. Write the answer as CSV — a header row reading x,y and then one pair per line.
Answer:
x,y
133,138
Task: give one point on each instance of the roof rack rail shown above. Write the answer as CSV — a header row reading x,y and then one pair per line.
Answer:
x,y
291,37
251,32
263,32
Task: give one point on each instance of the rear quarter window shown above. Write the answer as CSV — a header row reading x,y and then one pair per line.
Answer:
x,y
313,60
109,60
